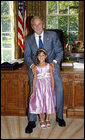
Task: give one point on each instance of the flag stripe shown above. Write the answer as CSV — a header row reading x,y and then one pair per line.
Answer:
x,y
19,35
20,31
20,26
20,20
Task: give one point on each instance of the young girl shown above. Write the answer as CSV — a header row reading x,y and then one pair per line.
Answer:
x,y
42,97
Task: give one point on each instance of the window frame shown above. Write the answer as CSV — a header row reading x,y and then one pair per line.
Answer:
x,y
11,17
58,15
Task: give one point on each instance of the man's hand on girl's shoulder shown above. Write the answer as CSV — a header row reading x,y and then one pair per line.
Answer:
x,y
32,95
33,68
52,66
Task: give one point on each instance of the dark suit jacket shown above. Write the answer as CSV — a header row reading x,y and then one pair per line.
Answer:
x,y
51,43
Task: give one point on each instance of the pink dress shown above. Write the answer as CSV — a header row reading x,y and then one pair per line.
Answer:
x,y
43,100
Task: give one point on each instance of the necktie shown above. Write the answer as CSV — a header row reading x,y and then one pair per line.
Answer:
x,y
40,43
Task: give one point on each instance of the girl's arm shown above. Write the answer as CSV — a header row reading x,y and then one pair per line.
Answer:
x,y
52,78
34,80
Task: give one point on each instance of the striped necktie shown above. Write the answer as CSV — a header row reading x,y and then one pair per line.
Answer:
x,y
40,43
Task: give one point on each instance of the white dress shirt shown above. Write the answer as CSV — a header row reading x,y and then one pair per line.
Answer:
x,y
37,38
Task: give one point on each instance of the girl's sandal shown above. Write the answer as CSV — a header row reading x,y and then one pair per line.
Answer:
x,y
48,123
42,124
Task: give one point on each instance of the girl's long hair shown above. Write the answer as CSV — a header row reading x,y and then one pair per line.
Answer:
x,y
38,52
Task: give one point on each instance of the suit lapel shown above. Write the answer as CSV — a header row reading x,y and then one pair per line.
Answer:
x,y
46,39
34,44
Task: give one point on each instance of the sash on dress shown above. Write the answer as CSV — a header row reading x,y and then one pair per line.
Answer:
x,y
43,75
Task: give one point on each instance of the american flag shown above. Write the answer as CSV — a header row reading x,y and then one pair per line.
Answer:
x,y
22,27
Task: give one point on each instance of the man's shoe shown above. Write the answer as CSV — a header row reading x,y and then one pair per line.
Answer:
x,y
61,123
30,126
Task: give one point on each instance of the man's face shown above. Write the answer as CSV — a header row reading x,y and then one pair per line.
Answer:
x,y
38,26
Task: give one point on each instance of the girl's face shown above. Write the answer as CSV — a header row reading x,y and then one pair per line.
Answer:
x,y
42,57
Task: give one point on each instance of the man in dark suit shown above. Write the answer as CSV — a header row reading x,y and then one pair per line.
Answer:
x,y
52,45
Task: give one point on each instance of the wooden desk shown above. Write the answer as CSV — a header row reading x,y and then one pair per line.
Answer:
x,y
15,89
73,82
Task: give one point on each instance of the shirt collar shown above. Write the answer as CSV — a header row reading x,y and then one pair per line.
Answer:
x,y
36,35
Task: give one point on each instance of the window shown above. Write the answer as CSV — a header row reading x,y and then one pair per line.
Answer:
x,y
7,38
63,15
